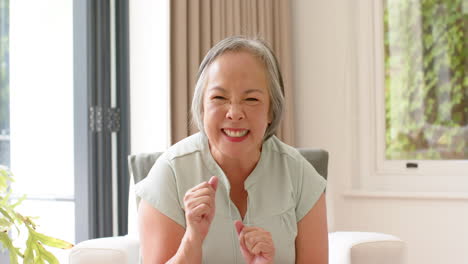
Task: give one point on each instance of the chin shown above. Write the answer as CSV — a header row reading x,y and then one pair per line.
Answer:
x,y
240,149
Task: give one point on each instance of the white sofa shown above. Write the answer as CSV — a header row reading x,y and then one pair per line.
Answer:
x,y
344,247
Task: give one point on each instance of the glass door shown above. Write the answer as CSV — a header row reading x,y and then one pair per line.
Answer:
x,y
36,120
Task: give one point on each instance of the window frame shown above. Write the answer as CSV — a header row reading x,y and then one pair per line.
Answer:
x,y
375,173
102,118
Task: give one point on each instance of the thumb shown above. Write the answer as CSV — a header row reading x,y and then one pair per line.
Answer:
x,y
213,182
239,226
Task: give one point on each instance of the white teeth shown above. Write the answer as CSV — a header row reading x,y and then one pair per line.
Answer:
x,y
235,133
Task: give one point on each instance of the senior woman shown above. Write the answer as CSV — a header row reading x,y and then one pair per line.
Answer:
x,y
234,193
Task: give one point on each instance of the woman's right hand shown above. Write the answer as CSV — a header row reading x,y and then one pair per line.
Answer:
x,y
200,208
256,244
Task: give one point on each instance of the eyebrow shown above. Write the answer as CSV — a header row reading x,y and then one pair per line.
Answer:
x,y
217,88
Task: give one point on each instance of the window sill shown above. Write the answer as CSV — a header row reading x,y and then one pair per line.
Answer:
x,y
362,194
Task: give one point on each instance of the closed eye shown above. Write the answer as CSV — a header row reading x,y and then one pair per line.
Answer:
x,y
251,99
218,98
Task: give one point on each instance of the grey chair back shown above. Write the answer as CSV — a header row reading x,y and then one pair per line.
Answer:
x,y
140,164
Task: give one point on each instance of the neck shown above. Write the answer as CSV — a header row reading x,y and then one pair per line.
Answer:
x,y
237,169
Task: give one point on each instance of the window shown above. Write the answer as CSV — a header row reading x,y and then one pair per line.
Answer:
x,y
412,99
4,85
36,111
426,79
64,113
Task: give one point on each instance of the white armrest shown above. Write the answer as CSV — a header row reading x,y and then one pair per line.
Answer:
x,y
365,248
344,248
109,250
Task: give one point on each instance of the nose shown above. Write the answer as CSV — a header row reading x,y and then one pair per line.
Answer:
x,y
235,112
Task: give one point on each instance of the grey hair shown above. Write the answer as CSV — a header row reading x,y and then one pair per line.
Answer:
x,y
259,49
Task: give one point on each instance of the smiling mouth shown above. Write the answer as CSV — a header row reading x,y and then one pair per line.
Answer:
x,y
235,133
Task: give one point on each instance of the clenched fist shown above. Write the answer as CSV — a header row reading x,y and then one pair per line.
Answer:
x,y
200,208
256,244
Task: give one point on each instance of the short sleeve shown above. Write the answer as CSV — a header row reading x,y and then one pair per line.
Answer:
x,y
310,188
160,190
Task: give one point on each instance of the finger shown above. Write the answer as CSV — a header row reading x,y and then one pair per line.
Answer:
x,y
262,247
259,233
207,190
251,232
199,212
213,182
198,187
239,227
250,241
242,244
203,192
252,228
253,238
194,202
212,185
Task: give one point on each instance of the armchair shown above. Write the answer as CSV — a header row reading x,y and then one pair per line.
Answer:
x,y
344,247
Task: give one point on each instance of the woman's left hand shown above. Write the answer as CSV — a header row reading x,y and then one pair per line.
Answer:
x,y
256,244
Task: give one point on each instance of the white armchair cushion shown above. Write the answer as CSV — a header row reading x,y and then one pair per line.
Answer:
x,y
365,248
109,250
344,248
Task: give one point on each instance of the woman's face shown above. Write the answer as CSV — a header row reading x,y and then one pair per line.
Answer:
x,y
236,105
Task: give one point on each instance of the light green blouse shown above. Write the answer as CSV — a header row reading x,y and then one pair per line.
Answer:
x,y
281,189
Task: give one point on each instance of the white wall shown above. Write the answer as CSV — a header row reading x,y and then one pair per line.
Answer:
x,y
435,230
149,75
149,82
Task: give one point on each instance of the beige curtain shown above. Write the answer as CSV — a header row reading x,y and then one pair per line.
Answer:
x,y
196,25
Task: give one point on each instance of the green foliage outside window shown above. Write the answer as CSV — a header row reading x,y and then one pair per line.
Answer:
x,y
426,79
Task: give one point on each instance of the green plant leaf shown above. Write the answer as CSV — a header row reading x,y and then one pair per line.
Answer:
x,y
5,178
8,244
49,257
6,214
20,200
35,251
4,224
29,252
50,241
